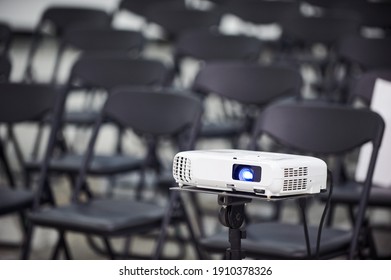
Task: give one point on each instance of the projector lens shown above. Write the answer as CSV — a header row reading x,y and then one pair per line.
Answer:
x,y
248,173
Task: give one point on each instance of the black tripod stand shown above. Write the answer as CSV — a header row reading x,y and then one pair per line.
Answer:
x,y
232,216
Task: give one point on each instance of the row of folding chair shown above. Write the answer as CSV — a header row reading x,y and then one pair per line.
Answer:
x,y
298,29
211,78
80,182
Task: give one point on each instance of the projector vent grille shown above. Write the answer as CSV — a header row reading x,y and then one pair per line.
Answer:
x,y
294,184
295,172
181,169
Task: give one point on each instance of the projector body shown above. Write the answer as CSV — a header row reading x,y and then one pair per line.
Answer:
x,y
261,173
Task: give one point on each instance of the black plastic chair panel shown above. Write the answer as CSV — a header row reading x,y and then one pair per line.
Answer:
x,y
248,83
367,53
152,113
328,131
261,12
372,13
211,46
92,39
5,68
140,7
63,17
327,29
334,3
176,19
23,102
363,87
109,71
5,37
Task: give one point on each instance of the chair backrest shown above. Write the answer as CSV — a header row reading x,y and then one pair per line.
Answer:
x,y
25,102
150,113
364,85
176,18
334,3
108,71
320,128
56,20
325,129
20,103
212,46
261,12
248,83
327,28
161,112
92,39
140,7
366,53
5,37
5,68
63,17
372,13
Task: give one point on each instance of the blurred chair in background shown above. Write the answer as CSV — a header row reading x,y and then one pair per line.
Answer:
x,y
54,21
356,55
102,73
211,46
99,40
20,104
245,88
152,115
311,41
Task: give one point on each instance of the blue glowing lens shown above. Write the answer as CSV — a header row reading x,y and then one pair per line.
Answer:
x,y
246,174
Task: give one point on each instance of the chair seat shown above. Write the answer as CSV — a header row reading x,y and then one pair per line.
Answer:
x,y
101,216
14,200
222,129
100,164
351,193
280,240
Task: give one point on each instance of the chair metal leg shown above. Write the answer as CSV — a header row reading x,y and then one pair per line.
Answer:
x,y
56,250
175,203
26,249
198,213
67,251
109,248
330,215
164,228
61,244
193,237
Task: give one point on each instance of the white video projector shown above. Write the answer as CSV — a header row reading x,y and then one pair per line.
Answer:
x,y
261,173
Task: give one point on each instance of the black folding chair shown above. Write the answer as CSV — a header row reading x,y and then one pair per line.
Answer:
x,y
212,46
55,20
348,193
250,84
152,114
20,104
312,40
102,72
357,55
322,130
